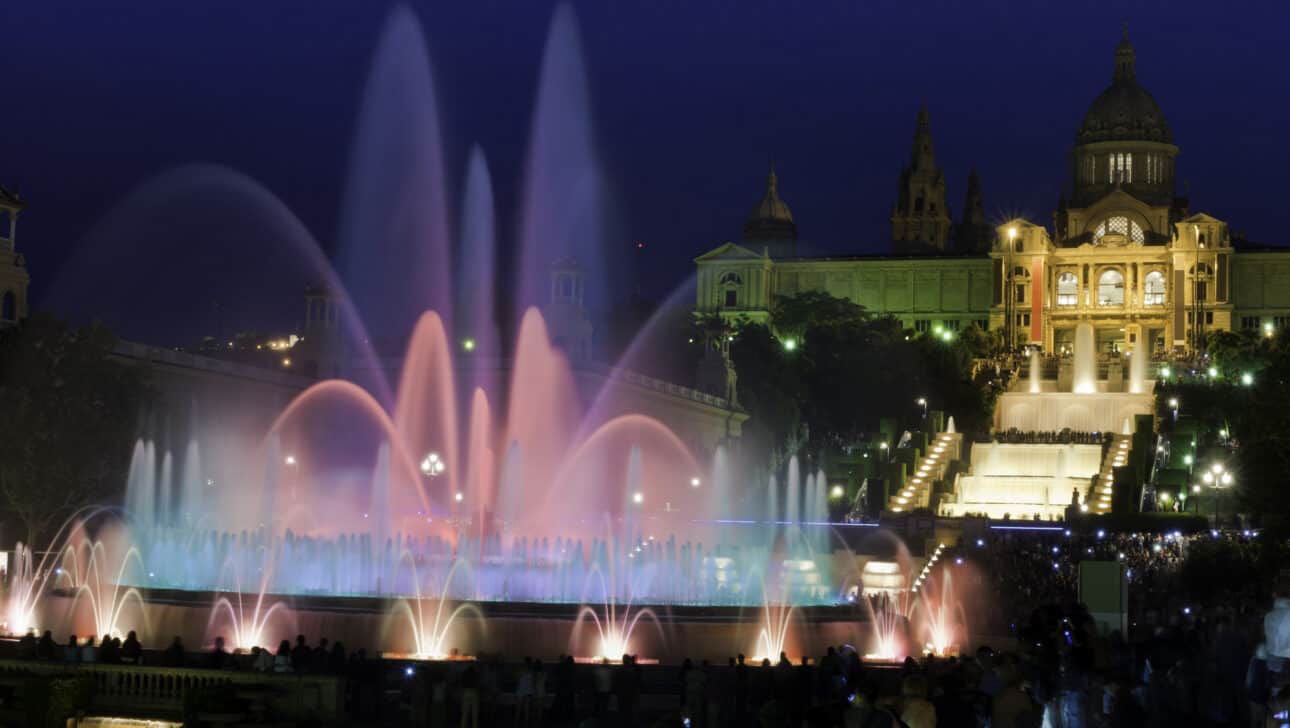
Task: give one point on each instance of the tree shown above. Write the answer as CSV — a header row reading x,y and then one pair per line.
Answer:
x,y
68,423
824,372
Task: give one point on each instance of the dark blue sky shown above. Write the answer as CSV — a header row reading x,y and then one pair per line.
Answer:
x,y
691,99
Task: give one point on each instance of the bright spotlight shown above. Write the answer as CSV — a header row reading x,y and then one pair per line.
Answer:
x,y
695,482
1247,379
290,460
638,497
1164,372
838,491
468,344
1213,372
790,344
1173,403
1187,460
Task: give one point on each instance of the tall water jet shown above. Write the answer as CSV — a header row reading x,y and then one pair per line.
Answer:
x,y
793,493
394,207
476,325
564,200
1085,364
1138,369
1035,386
190,507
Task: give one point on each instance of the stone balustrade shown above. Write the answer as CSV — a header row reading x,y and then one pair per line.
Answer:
x,y
159,691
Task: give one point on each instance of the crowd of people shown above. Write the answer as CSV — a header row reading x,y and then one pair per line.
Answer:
x,y
1051,437
1183,660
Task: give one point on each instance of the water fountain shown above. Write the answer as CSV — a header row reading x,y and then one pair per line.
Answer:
x,y
1036,386
534,486
1085,363
1138,369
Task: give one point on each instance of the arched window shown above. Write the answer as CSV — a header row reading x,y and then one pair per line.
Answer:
x,y
1126,229
1153,289
1067,289
731,281
8,307
1110,288
1200,276
1021,283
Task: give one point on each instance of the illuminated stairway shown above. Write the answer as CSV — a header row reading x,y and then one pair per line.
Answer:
x,y
1099,501
931,467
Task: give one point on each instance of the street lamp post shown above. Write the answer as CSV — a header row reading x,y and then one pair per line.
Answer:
x,y
1218,478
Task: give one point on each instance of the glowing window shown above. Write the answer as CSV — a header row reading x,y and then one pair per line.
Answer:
x,y
1153,289
1119,225
1067,289
1110,288
1120,167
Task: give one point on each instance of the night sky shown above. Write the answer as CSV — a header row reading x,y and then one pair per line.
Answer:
x,y
691,101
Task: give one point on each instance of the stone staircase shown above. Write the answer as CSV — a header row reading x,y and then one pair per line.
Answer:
x,y
917,491
1099,500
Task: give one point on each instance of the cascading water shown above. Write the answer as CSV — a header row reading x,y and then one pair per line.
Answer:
x,y
1138,369
1035,385
1085,365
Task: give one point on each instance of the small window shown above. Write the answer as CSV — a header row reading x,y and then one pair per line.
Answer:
x,y
8,307
1021,292
1110,288
983,324
732,298
1209,318
1249,323
952,325
1153,289
922,325
731,278
1067,289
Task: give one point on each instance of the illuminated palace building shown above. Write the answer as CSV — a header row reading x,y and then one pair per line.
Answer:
x,y
1125,252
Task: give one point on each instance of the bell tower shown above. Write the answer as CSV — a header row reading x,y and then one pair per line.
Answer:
x,y
566,318
920,221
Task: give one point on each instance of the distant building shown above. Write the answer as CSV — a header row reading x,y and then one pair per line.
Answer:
x,y
1125,252
13,268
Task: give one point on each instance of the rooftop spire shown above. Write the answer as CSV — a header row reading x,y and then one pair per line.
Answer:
x,y
1124,57
923,155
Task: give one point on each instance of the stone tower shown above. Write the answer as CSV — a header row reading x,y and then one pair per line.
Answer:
x,y
920,221
566,317
974,234
321,341
770,227
13,268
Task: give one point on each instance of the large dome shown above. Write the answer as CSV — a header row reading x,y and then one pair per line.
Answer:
x,y
770,219
1125,111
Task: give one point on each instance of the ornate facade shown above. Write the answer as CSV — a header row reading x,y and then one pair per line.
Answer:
x,y
1125,252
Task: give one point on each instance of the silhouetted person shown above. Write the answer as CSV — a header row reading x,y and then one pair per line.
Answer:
x,y
89,653
131,650
46,648
72,652
27,646
173,656
301,655
282,660
218,657
741,689
336,660
321,656
109,651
